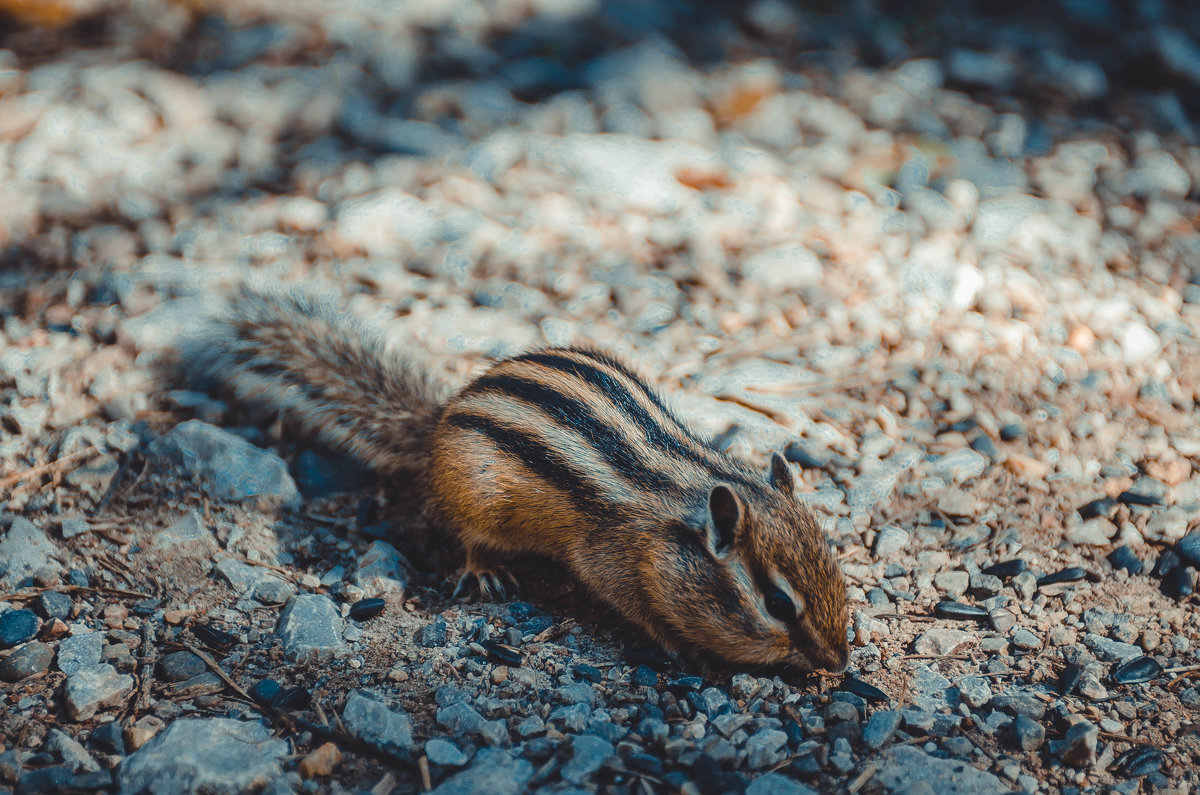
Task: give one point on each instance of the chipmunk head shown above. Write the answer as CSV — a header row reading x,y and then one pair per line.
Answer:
x,y
776,594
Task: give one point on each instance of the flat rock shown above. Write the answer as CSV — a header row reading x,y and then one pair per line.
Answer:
x,y
89,689
960,465
24,550
777,784
382,570
214,756
32,658
587,754
80,651
230,467
905,770
890,541
311,628
255,581
943,640
376,723
187,536
494,771
68,750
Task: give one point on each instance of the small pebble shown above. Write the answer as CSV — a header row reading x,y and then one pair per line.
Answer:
x,y
30,659
1179,583
17,627
1123,558
1006,569
321,762
1188,548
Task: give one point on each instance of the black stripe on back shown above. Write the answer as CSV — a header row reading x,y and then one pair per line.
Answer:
x,y
651,395
543,461
576,415
625,402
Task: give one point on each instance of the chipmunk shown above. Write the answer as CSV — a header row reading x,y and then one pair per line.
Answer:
x,y
567,453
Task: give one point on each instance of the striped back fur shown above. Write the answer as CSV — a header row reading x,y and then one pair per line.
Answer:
x,y
566,452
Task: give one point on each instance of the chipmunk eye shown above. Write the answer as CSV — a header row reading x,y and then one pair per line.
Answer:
x,y
780,607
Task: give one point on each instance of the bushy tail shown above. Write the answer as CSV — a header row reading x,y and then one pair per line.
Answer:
x,y
309,358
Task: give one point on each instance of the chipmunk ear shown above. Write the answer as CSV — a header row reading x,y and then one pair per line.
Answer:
x,y
780,475
727,514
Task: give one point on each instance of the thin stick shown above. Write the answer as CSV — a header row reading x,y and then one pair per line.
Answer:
x,y
33,472
862,779
31,593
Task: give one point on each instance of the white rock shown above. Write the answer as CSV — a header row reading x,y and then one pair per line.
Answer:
x,y
784,268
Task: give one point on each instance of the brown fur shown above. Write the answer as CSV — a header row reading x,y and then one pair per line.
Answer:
x,y
568,454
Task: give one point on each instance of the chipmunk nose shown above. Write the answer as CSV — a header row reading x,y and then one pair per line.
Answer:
x,y
837,659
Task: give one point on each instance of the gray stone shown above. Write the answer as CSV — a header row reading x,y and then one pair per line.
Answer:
x,y
89,689
777,784
1028,733
743,686
985,69
311,627
766,748
433,634
215,756
880,728
24,550
179,666
1110,650
531,726
80,651
1078,746
52,604
974,691
17,627
94,478
460,718
929,689
944,640
32,658
376,723
961,465
444,752
890,540
570,718
255,581
576,693
1178,53
952,583
68,750
784,269
186,536
588,753
381,570
1025,640
1019,701
905,770
494,732
230,467
872,488
494,772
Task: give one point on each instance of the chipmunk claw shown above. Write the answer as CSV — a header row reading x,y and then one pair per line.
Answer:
x,y
493,585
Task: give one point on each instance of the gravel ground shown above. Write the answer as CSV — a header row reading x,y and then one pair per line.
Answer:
x,y
949,263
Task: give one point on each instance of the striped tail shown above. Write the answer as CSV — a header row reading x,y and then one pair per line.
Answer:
x,y
307,357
